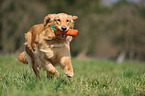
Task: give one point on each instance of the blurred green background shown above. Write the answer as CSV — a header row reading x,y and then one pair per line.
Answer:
x,y
108,29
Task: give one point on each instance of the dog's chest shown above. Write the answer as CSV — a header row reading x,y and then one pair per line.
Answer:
x,y
49,52
50,48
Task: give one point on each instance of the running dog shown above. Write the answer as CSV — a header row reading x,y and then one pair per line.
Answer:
x,y
44,48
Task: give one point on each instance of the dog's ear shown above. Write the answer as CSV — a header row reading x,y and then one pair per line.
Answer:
x,y
48,19
74,17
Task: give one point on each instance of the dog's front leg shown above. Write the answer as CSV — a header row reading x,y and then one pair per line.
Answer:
x,y
50,69
67,66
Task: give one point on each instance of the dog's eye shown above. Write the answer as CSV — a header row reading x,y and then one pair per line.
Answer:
x,y
58,20
67,20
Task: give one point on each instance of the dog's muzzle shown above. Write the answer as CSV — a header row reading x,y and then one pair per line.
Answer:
x,y
63,28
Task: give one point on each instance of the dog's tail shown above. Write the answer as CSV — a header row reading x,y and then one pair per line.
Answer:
x,y
22,58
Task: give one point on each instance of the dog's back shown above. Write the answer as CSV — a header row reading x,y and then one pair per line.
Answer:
x,y
32,40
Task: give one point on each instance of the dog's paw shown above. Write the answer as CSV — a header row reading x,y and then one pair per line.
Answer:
x,y
70,74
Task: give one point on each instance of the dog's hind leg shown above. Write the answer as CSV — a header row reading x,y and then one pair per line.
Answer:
x,y
31,60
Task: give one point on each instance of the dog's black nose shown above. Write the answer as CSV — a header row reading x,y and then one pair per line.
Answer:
x,y
63,28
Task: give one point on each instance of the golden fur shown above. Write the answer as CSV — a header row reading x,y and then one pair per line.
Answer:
x,y
45,49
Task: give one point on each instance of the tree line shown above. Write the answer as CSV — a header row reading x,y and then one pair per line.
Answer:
x,y
115,32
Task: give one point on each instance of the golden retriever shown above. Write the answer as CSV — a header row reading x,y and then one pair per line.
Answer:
x,y
46,49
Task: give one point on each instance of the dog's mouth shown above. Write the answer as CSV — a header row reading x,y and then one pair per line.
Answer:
x,y
60,31
63,30
62,36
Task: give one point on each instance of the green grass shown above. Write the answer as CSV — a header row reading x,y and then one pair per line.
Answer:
x,y
92,78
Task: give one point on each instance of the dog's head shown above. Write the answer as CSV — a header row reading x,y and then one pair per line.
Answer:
x,y
62,21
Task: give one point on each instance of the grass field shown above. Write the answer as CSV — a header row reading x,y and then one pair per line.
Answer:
x,y
92,78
